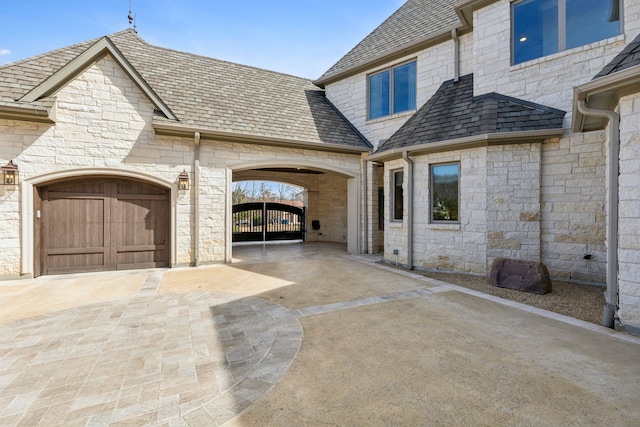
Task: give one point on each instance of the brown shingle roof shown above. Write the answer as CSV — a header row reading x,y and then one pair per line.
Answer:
x,y
415,21
207,93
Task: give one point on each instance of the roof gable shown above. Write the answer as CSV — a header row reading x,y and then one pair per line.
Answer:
x,y
453,113
74,67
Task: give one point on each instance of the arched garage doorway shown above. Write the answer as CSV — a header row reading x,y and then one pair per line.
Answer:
x,y
100,223
332,198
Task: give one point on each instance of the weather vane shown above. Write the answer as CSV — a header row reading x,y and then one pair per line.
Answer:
x,y
132,17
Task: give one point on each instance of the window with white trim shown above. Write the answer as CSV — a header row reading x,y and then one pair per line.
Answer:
x,y
445,192
392,90
544,27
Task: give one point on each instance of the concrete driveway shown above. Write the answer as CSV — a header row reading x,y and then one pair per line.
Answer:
x,y
300,335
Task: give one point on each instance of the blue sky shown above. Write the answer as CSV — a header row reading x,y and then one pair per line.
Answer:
x,y
299,37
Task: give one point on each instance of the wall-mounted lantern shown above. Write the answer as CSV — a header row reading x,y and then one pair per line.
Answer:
x,y
9,174
183,180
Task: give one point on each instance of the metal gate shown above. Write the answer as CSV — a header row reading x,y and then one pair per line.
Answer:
x,y
261,222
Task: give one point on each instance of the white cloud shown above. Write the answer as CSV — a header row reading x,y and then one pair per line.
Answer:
x,y
5,52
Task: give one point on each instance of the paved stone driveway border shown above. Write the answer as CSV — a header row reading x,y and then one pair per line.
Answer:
x,y
192,359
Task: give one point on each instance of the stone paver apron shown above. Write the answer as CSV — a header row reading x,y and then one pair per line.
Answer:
x,y
161,359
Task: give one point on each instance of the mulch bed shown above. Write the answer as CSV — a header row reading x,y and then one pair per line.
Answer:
x,y
584,302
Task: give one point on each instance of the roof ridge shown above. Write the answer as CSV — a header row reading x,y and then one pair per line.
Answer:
x,y
428,106
414,23
518,101
88,43
364,39
211,58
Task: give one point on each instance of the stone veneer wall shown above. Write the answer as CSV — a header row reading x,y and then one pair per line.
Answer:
x,y
535,202
434,66
573,207
629,214
452,247
513,202
548,80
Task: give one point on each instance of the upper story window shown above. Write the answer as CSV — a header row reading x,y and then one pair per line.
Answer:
x,y
543,27
392,90
445,192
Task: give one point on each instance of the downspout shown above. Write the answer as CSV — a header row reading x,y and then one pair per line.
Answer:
x,y
611,295
405,156
196,189
365,215
456,55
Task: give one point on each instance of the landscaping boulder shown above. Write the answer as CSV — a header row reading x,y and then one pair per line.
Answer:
x,y
524,276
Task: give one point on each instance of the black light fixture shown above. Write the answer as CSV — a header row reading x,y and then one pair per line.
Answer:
x,y
10,173
183,180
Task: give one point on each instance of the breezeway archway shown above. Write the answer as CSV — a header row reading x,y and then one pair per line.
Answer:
x,y
332,198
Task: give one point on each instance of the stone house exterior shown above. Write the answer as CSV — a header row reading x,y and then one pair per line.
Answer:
x,y
457,132
492,110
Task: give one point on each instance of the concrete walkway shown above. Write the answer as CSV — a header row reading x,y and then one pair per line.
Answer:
x,y
300,335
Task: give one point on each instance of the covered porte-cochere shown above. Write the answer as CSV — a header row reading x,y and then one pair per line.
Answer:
x,y
325,210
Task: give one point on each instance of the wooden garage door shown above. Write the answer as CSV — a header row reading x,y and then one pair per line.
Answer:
x,y
103,224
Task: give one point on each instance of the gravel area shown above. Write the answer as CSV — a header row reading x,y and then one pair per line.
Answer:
x,y
584,302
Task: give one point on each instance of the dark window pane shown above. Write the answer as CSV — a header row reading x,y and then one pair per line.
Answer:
x,y
535,29
398,195
591,20
444,185
380,208
404,88
379,95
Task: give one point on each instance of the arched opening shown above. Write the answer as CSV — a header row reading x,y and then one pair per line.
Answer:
x,y
99,223
330,198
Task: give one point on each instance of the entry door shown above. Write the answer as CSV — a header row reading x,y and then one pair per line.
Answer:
x,y
103,224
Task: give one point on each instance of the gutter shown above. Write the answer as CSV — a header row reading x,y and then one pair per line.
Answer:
x,y
611,294
185,131
405,156
605,91
40,115
484,140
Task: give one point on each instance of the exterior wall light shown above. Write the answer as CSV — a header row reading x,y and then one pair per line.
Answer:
x,y
9,173
183,180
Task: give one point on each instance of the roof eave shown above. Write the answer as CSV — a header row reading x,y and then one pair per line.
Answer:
x,y
40,115
603,93
388,56
465,8
484,140
185,131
